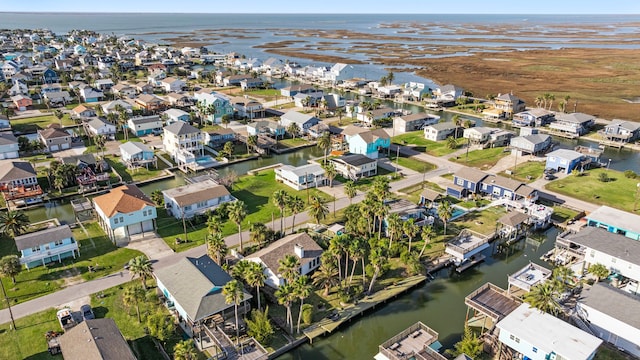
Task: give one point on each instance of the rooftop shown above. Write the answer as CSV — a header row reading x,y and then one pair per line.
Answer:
x,y
285,246
196,192
565,154
601,297
181,128
470,174
617,218
615,245
529,276
15,170
96,339
124,199
31,240
355,159
492,301
309,169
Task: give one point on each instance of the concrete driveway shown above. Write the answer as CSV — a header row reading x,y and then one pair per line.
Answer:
x,y
151,245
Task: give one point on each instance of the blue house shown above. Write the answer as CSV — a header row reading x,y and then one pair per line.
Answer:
x,y
265,127
49,77
505,188
136,154
615,221
220,136
173,115
563,160
466,181
45,246
145,125
369,143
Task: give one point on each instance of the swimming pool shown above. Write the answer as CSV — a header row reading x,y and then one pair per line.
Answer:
x,y
203,160
457,212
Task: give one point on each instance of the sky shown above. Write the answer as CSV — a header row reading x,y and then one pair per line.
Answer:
x,y
332,6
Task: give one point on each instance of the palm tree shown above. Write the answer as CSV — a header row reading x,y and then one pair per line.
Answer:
x,y
445,211
350,190
457,122
234,294
295,204
225,120
390,77
101,142
214,224
185,350
286,295
326,276
256,277
427,234
599,271
318,209
543,297
302,289
324,143
13,223
337,247
381,210
216,247
410,229
141,266
330,172
132,296
10,266
259,233
237,213
293,129
289,267
357,251
123,117
59,115
252,142
378,259
394,225
280,200
469,345
339,114
380,188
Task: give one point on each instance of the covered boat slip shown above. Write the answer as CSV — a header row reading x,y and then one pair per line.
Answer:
x,y
490,304
416,342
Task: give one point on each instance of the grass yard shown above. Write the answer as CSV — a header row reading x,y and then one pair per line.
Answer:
x,y
291,143
28,341
363,184
140,174
483,222
527,172
95,250
481,159
413,192
412,163
38,123
416,140
620,192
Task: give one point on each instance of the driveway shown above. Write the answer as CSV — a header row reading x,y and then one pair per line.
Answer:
x,y
151,245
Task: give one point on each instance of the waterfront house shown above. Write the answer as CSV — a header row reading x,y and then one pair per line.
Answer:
x,y
612,315
247,108
537,335
504,188
478,134
90,95
183,142
251,83
301,177
125,211
355,166
574,124
615,221
377,114
312,99
135,154
429,197
499,137
95,339
219,136
233,80
536,117
318,130
18,183
266,127
415,91
220,102
369,143
192,288
301,245
96,127
197,198
302,121
440,131
416,342
113,106
621,131
145,125
509,103
173,115
466,181
21,102
88,169
82,111
45,246
291,91
8,146
563,160
530,142
124,90
171,84
413,122
54,139
339,72
150,102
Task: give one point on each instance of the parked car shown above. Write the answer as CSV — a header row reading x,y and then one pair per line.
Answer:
x,y
87,312
65,317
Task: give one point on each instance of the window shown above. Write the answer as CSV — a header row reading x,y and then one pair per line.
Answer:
x,y
116,220
35,249
187,208
58,242
202,204
459,181
535,349
121,219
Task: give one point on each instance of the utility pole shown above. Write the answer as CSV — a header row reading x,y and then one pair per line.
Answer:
x,y
4,293
397,156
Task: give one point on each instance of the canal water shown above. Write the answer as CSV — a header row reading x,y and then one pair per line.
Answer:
x,y
439,304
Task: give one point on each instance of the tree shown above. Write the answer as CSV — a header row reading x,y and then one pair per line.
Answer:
x,y
295,205
469,345
326,276
160,326
378,260
543,297
227,149
286,295
339,114
330,172
252,142
157,197
141,267
259,326
357,251
132,296
337,247
13,223
280,200
289,267
303,290
394,226
318,209
234,294
380,188
255,276
100,141
237,213
293,129
185,350
427,234
445,211
410,229
324,143
225,120
599,271
216,247
259,233
59,115
350,190
390,77
10,267
213,224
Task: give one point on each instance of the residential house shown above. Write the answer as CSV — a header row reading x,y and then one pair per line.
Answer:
x,y
54,139
413,122
196,198
251,83
183,142
536,117
145,125
173,115
95,339
440,131
355,166
103,85
272,66
530,142
143,88
18,182
509,103
4,123
478,134
619,324
537,335
332,102
369,143
311,99
218,137
171,84
21,102
97,127
466,181
8,146
301,177
150,102
155,77
90,95
135,154
302,121
388,91
415,91
573,124
500,137
615,221
45,246
49,76
621,131
57,98
339,72
291,91
319,130
234,80
220,102
369,117
563,160
266,127
247,108
113,106
444,96
47,88
18,88
82,111
180,100
124,90
506,188
200,298
125,211
301,245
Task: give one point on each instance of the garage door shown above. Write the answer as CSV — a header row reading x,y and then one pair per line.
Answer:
x,y
54,148
135,228
65,146
147,225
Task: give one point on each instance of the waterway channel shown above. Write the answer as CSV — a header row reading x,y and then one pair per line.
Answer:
x,y
438,303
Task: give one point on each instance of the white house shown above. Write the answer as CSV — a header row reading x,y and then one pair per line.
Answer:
x,y
300,245
183,142
45,246
174,115
439,131
97,127
196,198
302,121
339,72
301,177
8,146
172,84
355,166
145,125
113,106
413,122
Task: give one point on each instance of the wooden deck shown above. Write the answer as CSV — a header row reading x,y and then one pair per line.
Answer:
x,y
492,301
412,343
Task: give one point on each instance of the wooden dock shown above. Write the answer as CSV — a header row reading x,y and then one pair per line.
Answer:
x,y
478,259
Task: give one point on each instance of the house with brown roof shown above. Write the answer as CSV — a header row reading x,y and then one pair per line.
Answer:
x,y
196,198
125,211
150,102
82,111
301,245
54,139
18,182
95,339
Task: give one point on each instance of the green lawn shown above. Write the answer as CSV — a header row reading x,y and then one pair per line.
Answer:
x,y
562,214
527,172
28,341
140,174
483,222
416,140
363,184
95,250
619,193
413,192
482,159
412,163
290,143
38,122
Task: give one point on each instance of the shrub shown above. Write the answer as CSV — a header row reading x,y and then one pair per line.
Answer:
x,y
630,174
307,314
603,177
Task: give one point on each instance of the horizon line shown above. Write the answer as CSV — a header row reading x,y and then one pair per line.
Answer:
x,y
304,13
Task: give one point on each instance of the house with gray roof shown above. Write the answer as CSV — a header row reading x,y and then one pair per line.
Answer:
x,y
136,154
440,131
8,146
193,287
54,138
97,127
621,131
563,160
615,221
197,198
413,122
300,245
301,177
95,339
302,121
573,124
530,142
145,125
45,246
355,166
